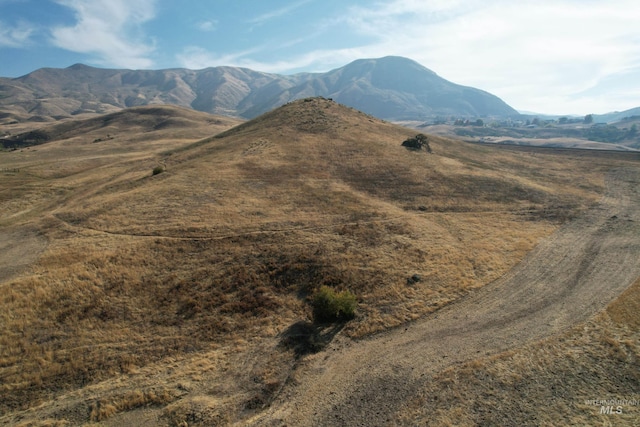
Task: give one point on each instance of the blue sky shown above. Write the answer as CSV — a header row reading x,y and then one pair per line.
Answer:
x,y
556,56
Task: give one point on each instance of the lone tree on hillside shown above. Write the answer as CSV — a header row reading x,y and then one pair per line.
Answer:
x,y
418,142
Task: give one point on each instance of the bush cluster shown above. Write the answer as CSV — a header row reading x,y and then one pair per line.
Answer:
x,y
331,306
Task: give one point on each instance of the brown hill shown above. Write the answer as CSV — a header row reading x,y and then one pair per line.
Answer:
x,y
129,121
187,292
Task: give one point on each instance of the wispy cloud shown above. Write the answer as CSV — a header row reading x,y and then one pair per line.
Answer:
x,y
208,25
197,58
17,35
278,12
110,30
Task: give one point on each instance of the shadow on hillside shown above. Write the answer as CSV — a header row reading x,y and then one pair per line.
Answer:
x,y
308,338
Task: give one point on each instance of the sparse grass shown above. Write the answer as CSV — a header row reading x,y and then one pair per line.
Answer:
x,y
197,411
45,423
244,230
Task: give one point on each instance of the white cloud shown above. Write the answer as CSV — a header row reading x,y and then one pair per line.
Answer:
x,y
278,12
110,30
207,26
17,35
196,58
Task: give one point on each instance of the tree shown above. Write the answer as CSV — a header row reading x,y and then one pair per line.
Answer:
x,y
417,143
588,119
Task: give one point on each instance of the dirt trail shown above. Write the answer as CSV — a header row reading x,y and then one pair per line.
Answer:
x,y
567,279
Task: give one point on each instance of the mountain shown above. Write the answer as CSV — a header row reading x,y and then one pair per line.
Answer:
x,y
616,116
388,88
401,89
56,93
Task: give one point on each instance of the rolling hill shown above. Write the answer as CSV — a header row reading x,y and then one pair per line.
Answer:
x,y
146,120
617,116
388,88
185,296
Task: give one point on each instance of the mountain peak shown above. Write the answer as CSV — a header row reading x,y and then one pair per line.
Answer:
x,y
80,66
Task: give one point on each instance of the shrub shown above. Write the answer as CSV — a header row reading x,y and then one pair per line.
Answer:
x,y
157,170
418,142
331,306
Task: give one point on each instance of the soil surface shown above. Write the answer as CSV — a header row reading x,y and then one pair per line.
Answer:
x,y
567,279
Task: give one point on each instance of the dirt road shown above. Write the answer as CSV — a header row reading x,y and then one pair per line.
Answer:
x,y
565,280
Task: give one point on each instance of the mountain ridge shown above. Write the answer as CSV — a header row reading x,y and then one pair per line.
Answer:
x,y
391,88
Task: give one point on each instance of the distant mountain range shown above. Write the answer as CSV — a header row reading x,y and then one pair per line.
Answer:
x,y
616,116
392,88
612,117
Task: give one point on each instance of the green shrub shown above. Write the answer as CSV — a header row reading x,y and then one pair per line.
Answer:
x,y
331,306
157,170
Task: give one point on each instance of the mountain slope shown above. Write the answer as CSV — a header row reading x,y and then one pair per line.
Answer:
x,y
388,88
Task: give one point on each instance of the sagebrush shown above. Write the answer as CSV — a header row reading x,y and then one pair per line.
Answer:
x,y
329,305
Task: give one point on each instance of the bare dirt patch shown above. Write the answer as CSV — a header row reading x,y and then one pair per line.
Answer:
x,y
565,280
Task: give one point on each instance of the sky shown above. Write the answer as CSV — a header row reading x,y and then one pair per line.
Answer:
x,y
546,56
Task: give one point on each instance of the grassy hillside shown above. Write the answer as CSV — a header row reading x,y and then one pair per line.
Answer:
x,y
174,287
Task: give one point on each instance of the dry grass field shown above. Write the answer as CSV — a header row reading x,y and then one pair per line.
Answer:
x,y
130,298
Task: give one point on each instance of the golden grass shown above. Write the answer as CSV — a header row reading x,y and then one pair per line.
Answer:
x,y
625,309
229,242
107,407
